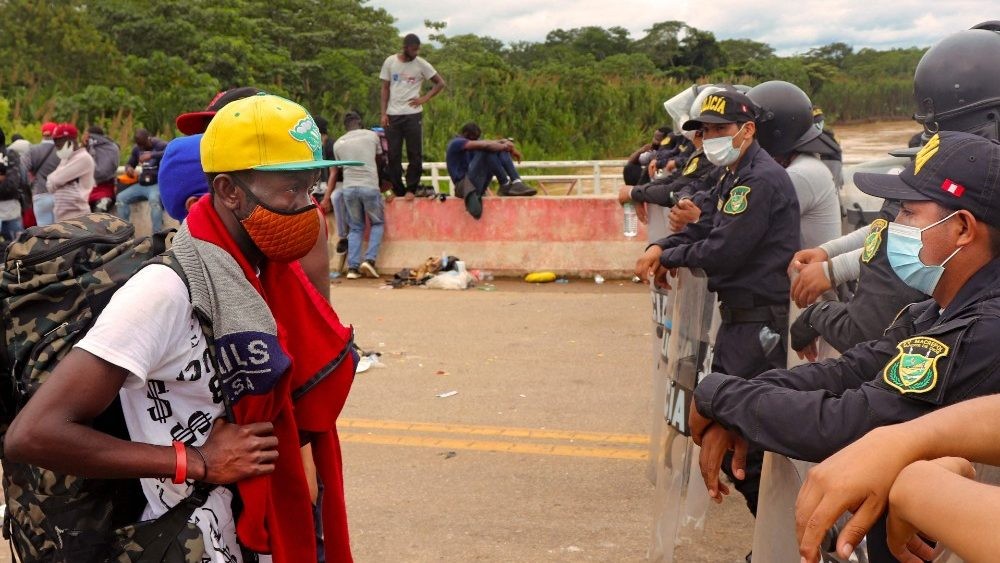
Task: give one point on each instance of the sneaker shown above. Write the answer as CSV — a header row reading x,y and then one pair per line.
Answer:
x,y
368,269
474,204
517,188
342,246
353,274
424,191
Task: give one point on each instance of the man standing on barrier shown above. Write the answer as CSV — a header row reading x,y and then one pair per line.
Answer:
x,y
744,247
945,242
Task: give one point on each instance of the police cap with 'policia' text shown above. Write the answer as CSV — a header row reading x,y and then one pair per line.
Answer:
x,y
726,106
956,170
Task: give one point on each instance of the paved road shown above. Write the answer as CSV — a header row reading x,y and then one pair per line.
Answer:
x,y
540,456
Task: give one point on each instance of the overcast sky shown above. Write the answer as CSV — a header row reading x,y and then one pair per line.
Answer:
x,y
789,26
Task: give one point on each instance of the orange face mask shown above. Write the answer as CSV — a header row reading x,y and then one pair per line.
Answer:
x,y
282,236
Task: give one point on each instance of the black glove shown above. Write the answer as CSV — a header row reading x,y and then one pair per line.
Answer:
x,y
801,332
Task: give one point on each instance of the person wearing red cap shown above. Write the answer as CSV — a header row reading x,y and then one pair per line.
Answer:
x,y
70,183
41,161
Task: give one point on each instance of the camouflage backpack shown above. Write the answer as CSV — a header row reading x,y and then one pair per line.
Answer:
x,y
54,282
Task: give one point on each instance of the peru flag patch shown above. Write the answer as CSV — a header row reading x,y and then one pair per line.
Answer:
x,y
951,187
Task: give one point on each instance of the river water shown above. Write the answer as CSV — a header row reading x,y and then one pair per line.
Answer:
x,y
868,141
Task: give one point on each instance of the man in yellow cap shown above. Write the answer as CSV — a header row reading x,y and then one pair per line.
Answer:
x,y
217,406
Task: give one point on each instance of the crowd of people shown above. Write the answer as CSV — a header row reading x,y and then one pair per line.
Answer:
x,y
230,380
908,303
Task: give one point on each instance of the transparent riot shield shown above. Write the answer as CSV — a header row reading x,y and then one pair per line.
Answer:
x,y
663,312
679,509
658,226
780,480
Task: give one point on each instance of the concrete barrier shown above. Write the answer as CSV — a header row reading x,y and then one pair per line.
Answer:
x,y
568,235
575,236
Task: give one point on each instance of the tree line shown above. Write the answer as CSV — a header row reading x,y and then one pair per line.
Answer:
x,y
582,93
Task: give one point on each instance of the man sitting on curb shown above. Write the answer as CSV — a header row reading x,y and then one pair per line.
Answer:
x,y
472,164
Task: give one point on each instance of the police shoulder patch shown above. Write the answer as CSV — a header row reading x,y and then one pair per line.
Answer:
x,y
691,166
738,200
914,369
874,239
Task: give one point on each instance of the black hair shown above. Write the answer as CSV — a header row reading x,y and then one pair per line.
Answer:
x,y
321,124
470,129
351,117
95,130
411,39
16,137
665,129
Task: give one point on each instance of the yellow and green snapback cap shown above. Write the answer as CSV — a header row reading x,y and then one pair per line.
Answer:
x,y
264,132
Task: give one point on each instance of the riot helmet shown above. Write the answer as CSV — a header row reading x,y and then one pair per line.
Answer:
x,y
786,119
956,85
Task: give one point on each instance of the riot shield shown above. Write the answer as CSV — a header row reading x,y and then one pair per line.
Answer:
x,y
658,226
679,510
663,311
780,480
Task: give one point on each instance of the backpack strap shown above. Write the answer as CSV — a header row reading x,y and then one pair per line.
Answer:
x,y
168,259
34,169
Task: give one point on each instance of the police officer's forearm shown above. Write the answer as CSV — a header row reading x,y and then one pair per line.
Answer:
x,y
851,370
845,267
847,243
806,425
833,321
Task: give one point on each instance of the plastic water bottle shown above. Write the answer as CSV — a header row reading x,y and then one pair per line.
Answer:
x,y
631,221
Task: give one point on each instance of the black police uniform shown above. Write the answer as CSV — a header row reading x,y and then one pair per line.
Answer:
x,y
811,411
878,299
753,234
696,176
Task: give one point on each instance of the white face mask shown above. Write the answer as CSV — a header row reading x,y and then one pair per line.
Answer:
x,y
65,152
720,150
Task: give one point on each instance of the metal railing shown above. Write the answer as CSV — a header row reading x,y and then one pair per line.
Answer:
x,y
598,177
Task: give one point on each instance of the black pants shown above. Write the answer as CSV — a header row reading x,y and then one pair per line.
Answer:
x,y
408,128
738,352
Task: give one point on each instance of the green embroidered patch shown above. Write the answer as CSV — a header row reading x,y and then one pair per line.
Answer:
x,y
874,239
738,200
914,369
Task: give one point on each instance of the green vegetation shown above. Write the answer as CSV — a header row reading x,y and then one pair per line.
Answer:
x,y
582,93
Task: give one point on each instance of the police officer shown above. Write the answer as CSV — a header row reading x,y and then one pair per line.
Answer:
x,y
945,242
744,248
825,145
973,107
694,176
784,125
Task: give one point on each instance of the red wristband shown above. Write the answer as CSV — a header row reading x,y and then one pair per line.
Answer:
x,y
181,463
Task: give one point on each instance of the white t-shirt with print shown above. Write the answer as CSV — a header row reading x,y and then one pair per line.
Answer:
x,y
149,328
405,79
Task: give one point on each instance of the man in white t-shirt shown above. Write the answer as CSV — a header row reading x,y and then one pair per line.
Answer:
x,y
147,346
403,74
362,197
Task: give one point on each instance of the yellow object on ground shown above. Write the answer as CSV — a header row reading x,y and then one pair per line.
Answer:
x,y
540,277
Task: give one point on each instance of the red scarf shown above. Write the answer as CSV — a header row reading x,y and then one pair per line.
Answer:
x,y
277,513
